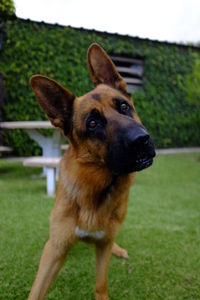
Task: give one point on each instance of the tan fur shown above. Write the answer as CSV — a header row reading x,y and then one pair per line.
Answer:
x,y
83,177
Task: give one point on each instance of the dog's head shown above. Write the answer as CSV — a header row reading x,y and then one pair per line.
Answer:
x,y
102,125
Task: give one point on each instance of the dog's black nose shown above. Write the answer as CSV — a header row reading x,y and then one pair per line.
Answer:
x,y
137,139
141,140
139,144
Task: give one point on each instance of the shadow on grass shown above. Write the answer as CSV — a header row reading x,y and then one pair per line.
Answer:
x,y
15,169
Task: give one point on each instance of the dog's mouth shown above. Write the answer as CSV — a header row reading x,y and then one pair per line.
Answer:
x,y
124,161
133,166
142,164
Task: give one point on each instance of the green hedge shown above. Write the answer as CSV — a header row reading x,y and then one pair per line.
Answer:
x,y
60,52
7,8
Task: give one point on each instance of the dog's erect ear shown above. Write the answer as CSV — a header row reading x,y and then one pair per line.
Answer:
x,y
56,101
102,69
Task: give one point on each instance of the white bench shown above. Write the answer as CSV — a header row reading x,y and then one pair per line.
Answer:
x,y
50,163
5,149
64,147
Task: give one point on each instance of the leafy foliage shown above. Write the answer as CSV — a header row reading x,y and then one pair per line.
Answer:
x,y
193,82
7,8
60,52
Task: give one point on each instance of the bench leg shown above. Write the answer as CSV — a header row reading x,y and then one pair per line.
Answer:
x,y
51,181
50,145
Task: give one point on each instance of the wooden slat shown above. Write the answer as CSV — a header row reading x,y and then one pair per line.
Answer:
x,y
40,161
26,125
64,147
5,149
127,70
133,80
127,60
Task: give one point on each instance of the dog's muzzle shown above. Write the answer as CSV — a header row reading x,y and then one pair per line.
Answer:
x,y
132,151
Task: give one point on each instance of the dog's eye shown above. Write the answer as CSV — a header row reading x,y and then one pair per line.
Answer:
x,y
124,107
92,124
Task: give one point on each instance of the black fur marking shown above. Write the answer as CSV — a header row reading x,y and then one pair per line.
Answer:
x,y
96,97
104,193
68,120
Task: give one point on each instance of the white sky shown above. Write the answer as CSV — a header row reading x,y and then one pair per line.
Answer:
x,y
170,20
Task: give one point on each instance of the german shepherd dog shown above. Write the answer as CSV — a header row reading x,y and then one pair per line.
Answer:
x,y
107,145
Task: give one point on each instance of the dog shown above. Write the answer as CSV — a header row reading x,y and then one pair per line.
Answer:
x,y
107,146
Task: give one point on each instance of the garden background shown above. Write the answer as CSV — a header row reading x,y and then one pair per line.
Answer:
x,y
168,103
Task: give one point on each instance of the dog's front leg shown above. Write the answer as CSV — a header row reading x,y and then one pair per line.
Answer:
x,y
50,263
103,252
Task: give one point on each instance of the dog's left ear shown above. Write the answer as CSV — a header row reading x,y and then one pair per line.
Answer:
x,y
56,101
103,70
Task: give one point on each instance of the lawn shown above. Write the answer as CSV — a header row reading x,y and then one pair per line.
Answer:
x,y
161,233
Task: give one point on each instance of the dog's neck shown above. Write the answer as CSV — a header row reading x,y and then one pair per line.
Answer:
x,y
93,192
89,181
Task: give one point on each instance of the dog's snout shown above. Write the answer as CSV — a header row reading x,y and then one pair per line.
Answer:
x,y
138,138
141,140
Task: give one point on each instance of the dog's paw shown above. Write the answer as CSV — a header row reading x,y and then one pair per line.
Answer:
x,y
120,252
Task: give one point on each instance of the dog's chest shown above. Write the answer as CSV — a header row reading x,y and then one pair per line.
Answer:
x,y
97,235
91,224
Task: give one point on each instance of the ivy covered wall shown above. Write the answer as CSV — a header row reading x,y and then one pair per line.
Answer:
x,y
60,52
7,8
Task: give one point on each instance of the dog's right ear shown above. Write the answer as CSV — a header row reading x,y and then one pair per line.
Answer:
x,y
56,101
103,70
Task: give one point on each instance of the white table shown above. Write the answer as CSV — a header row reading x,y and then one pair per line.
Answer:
x,y
51,146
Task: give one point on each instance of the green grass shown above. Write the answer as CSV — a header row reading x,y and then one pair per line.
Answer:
x,y
161,233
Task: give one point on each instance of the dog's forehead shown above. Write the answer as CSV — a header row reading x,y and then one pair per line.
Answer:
x,y
101,96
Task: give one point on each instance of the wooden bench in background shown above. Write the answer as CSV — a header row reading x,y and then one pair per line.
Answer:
x,y
50,163
64,147
5,149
